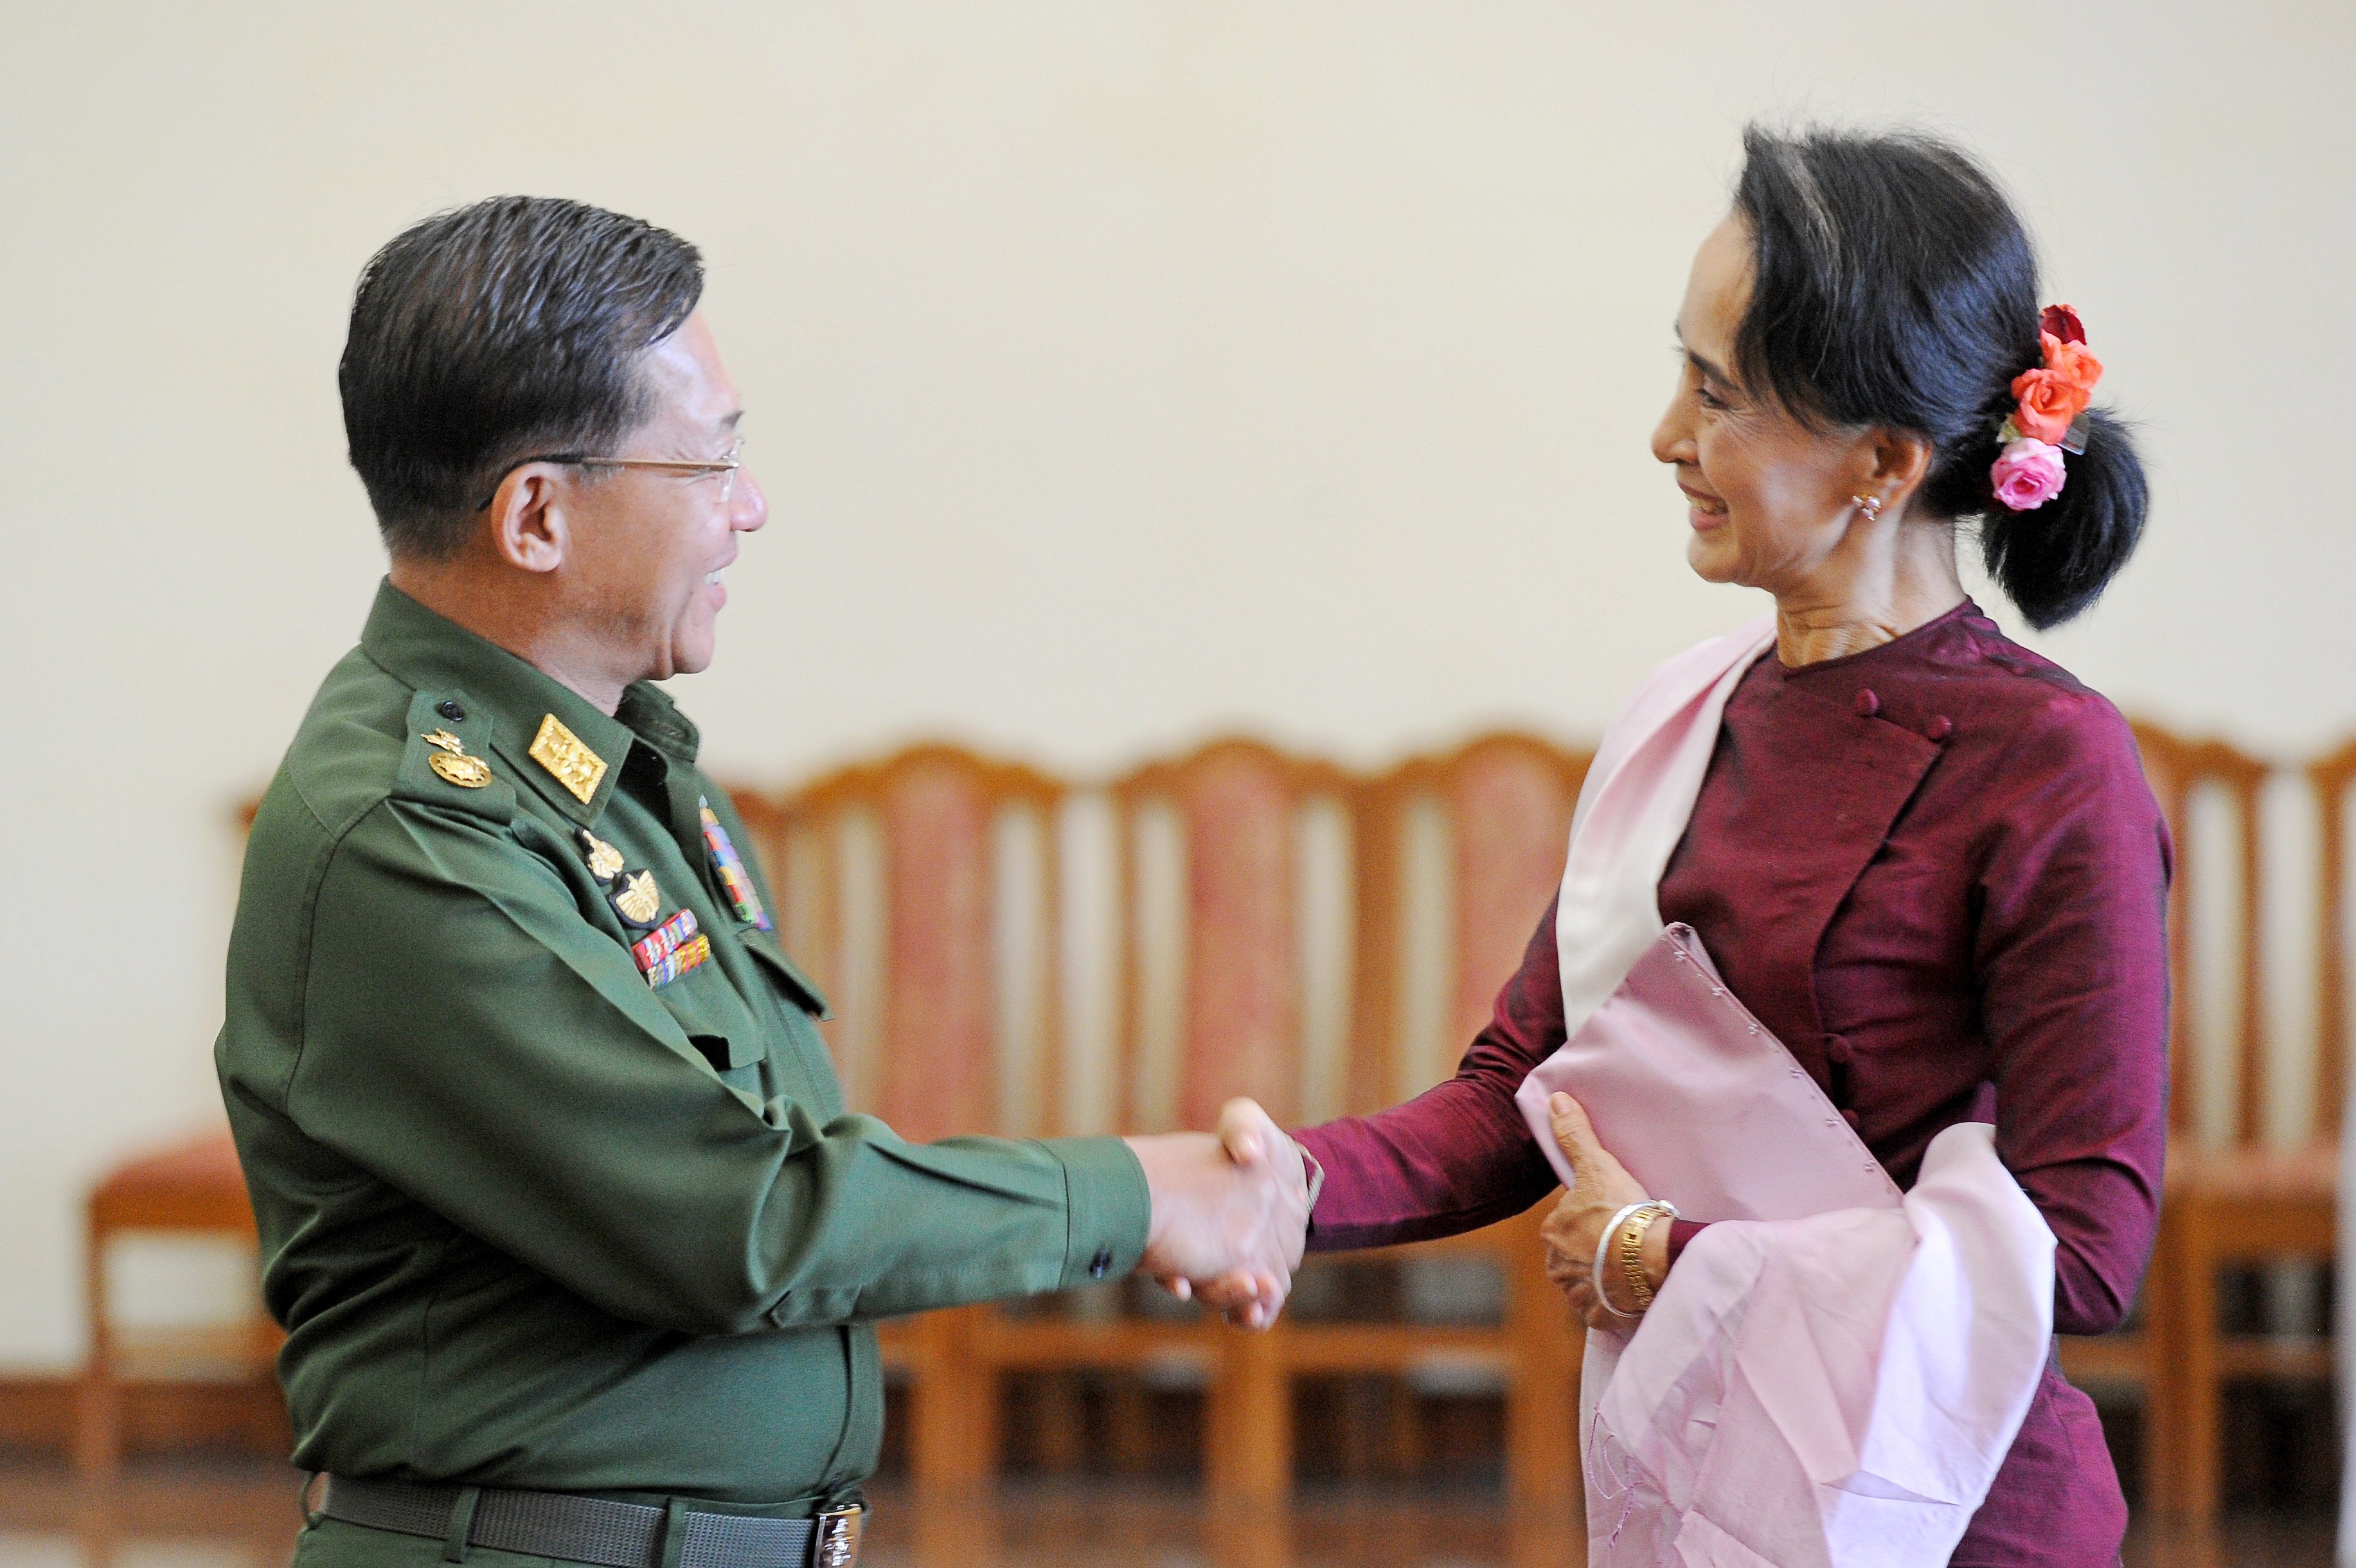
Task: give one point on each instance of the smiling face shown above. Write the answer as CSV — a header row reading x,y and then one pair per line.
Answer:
x,y
647,546
1768,499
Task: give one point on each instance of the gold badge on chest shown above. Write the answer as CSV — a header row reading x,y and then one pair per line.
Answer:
x,y
563,754
636,899
450,763
604,860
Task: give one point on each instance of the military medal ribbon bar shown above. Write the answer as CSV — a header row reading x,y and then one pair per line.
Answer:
x,y
733,877
665,970
664,940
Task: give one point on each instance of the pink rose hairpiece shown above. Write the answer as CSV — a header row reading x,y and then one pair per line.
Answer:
x,y
2048,417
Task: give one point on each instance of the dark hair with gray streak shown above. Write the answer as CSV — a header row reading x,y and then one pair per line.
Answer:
x,y
1894,286
491,332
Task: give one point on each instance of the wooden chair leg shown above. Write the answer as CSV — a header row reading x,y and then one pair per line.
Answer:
x,y
1250,1538
1402,1426
2163,1393
2199,1396
98,1403
953,1400
1542,1391
1128,1422
1248,1433
1058,1420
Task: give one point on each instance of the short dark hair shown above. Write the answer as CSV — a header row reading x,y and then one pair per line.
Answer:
x,y
1893,285
490,332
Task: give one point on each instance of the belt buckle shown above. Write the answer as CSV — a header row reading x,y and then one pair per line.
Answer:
x,y
836,1544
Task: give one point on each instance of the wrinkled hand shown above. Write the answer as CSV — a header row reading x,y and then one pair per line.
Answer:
x,y
1600,1187
1230,1213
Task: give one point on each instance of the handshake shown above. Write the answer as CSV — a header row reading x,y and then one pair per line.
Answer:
x,y
1230,1213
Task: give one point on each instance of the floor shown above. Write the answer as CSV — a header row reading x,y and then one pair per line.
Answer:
x,y
241,1515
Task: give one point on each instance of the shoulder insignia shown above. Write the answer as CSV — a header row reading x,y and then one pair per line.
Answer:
x,y
566,757
451,762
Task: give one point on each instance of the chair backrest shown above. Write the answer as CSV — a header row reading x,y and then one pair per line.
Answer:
x,y
2183,772
894,882
1460,853
1235,970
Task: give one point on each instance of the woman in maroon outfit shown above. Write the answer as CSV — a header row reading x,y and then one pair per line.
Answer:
x,y
1924,856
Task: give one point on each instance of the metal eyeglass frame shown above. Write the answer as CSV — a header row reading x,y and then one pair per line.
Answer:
x,y
726,467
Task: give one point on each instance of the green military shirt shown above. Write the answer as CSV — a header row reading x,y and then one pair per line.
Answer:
x,y
529,1219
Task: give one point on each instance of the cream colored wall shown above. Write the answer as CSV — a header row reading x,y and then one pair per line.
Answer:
x,y
1119,370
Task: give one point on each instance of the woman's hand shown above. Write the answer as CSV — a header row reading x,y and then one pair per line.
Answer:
x,y
1600,1189
1250,1297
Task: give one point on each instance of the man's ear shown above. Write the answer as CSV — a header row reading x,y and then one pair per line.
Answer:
x,y
529,529
1896,462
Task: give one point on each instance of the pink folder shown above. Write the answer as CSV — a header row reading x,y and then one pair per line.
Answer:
x,y
1703,1105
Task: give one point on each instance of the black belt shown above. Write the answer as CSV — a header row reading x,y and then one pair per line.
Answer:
x,y
594,1530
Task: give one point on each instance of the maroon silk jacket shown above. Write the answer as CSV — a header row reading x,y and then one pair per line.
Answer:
x,y
1934,869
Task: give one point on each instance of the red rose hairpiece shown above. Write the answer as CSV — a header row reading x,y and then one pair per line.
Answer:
x,y
2048,416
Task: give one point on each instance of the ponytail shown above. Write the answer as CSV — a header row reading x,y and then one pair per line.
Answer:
x,y
2054,560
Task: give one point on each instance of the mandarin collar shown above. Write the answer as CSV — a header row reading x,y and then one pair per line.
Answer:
x,y
1961,629
428,651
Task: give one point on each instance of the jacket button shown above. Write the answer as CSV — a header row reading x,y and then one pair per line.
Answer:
x,y
1940,728
1850,1117
1838,1049
1867,705
1100,1263
448,708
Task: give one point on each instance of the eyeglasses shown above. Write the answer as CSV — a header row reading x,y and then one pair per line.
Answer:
x,y
725,467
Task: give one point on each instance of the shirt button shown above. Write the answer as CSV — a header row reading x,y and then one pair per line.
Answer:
x,y
1941,728
1839,1050
1867,705
448,708
1100,1263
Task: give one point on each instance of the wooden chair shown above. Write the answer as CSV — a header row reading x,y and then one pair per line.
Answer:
x,y
891,881
191,1189
2239,1199
1218,994
1458,855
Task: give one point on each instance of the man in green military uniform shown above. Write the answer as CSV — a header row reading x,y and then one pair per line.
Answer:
x,y
573,1237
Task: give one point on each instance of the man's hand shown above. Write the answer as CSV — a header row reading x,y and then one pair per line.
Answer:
x,y
1600,1187
1230,1213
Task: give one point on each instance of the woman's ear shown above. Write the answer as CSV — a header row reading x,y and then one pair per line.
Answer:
x,y
529,529
1897,461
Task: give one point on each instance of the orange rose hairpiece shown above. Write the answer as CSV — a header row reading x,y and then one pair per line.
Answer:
x,y
2045,420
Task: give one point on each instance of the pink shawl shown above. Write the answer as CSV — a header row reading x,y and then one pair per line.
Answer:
x,y
1832,1375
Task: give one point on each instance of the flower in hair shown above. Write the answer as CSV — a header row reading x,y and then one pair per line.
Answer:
x,y
2061,321
2027,474
2049,404
2049,401
2071,362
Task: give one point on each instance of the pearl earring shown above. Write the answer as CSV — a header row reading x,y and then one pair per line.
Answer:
x,y
1870,505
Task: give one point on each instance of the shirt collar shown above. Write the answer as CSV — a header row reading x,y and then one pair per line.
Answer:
x,y
430,652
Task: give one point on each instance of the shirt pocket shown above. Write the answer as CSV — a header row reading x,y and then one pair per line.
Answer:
x,y
798,987
714,1019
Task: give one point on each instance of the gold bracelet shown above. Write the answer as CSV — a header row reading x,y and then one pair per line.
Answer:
x,y
1633,1231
